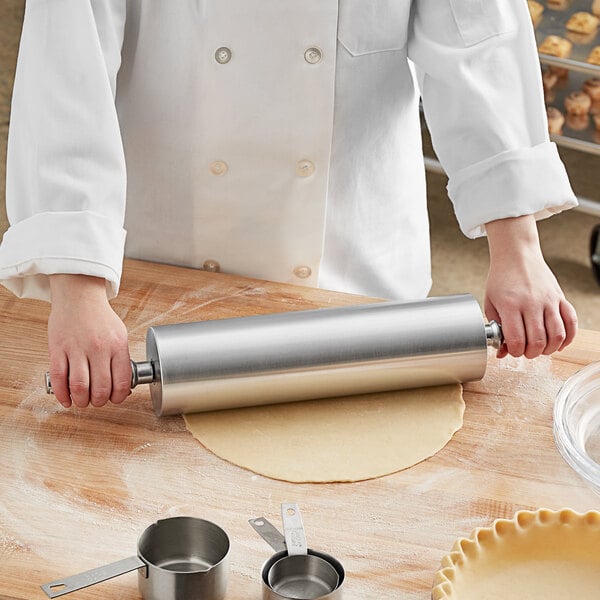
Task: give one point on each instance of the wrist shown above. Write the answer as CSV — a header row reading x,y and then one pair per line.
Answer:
x,y
66,287
511,238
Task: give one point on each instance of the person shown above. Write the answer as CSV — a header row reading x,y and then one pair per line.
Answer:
x,y
273,139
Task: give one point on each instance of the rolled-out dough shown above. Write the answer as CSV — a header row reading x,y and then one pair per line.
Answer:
x,y
334,440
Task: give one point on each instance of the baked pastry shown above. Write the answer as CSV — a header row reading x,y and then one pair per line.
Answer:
x,y
556,120
583,39
558,4
595,110
561,72
592,88
578,103
596,7
549,79
594,56
578,122
535,10
556,46
582,22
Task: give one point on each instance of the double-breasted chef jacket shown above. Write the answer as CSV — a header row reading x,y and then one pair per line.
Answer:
x,y
271,138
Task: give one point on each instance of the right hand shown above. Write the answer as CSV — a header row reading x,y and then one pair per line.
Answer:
x,y
89,355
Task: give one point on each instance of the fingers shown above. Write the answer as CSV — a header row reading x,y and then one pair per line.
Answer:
x,y
555,331
533,333
121,377
536,338
75,381
569,318
100,380
79,380
59,376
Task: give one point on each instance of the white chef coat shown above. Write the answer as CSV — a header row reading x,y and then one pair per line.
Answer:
x,y
277,138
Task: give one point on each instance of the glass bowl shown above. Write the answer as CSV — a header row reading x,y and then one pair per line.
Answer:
x,y
577,423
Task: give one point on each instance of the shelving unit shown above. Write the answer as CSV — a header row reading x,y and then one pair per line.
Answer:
x,y
554,22
585,137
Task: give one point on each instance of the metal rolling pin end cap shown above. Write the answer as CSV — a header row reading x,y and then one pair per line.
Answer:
x,y
141,372
493,333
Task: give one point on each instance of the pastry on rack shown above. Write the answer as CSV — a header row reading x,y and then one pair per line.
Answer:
x,y
594,56
578,103
549,78
535,10
549,81
556,120
583,39
592,88
556,46
558,4
578,122
583,22
596,7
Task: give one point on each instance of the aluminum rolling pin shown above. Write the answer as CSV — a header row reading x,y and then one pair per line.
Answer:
x,y
322,353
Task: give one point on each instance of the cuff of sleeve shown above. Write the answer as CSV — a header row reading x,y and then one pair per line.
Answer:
x,y
527,181
82,242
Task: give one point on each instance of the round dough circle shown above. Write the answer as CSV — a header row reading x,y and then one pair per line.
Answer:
x,y
334,440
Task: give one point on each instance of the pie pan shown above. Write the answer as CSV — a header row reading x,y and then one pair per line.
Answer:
x,y
577,423
541,555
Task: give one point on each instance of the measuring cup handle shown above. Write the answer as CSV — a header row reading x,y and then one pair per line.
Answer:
x,y
269,533
82,580
293,529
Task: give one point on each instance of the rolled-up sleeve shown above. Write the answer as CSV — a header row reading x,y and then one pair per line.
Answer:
x,y
66,180
480,80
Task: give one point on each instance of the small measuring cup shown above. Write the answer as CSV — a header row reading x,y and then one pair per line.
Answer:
x,y
180,558
296,572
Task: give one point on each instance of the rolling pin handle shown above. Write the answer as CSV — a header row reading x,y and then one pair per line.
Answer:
x,y
141,372
493,333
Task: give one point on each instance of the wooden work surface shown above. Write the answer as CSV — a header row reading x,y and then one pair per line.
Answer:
x,y
77,487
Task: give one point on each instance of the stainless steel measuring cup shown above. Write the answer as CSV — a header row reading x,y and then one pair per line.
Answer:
x,y
296,572
180,558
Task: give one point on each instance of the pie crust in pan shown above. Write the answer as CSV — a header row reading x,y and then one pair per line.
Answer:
x,y
537,555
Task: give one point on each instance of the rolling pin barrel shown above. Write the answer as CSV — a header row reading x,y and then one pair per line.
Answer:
x,y
304,355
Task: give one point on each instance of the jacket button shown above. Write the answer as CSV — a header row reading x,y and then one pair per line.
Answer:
x,y
313,55
212,266
218,167
223,55
302,272
305,168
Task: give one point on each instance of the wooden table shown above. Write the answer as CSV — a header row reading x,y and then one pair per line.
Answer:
x,y
77,487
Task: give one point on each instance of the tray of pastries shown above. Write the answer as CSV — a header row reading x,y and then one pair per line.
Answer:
x,y
568,30
568,39
572,104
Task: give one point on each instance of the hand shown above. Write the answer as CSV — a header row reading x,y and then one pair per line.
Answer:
x,y
89,356
522,293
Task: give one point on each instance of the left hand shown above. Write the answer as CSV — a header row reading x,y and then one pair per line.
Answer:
x,y
522,293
